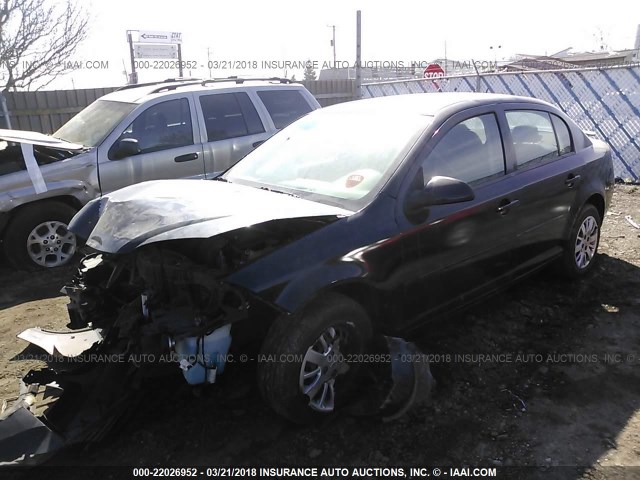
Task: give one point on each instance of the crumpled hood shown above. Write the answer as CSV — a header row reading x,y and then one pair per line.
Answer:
x,y
176,209
35,138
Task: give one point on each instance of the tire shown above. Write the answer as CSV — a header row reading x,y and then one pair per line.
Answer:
x,y
280,378
35,228
581,248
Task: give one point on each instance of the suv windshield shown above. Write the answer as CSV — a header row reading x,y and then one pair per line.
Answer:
x,y
341,158
94,123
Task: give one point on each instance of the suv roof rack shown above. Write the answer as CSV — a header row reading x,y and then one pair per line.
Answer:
x,y
168,80
247,79
173,83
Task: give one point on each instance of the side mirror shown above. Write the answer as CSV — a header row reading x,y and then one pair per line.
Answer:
x,y
126,147
438,191
445,190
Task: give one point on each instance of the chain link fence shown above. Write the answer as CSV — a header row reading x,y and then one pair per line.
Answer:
x,y
603,100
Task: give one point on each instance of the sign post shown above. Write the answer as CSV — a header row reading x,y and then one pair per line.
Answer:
x,y
133,76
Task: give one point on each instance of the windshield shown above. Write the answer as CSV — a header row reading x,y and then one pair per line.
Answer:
x,y
339,158
94,123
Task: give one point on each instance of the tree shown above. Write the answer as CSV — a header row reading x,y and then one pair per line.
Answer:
x,y
309,72
37,40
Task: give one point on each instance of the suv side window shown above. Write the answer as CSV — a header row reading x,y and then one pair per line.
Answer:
x,y
163,126
562,134
471,151
229,115
284,106
532,133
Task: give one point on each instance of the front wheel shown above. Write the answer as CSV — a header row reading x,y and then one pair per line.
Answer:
x,y
308,361
38,236
581,247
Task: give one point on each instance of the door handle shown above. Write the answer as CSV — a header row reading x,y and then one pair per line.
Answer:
x,y
186,157
506,205
257,144
571,179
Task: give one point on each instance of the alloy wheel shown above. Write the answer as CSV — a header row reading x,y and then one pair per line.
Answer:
x,y
51,244
322,363
586,242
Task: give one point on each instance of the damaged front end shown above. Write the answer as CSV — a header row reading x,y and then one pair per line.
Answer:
x,y
130,317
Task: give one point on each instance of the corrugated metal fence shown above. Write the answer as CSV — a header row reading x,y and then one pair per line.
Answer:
x,y
46,111
604,100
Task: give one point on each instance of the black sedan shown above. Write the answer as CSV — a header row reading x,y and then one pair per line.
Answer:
x,y
363,219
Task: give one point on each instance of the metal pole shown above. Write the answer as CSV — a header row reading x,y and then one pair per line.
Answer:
x,y
5,111
334,45
134,75
180,61
358,55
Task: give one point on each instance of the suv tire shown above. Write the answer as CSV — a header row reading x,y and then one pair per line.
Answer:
x,y
37,236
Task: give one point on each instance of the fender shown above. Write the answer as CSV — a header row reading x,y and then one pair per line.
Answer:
x,y
352,249
78,189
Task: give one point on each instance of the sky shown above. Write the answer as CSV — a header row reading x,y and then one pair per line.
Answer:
x,y
251,33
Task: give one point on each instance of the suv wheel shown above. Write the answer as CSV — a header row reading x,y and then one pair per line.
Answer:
x,y
308,365
38,236
582,245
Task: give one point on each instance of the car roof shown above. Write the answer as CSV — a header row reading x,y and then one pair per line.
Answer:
x,y
428,103
142,93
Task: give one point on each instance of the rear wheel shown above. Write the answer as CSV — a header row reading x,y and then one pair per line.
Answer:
x,y
38,236
308,361
581,247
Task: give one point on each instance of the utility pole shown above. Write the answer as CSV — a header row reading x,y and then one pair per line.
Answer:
x,y
445,58
180,71
333,43
209,60
358,55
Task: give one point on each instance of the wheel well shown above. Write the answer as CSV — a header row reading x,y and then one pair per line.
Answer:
x,y
369,298
597,201
69,200
65,199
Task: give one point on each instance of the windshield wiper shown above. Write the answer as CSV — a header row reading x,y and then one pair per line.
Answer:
x,y
279,191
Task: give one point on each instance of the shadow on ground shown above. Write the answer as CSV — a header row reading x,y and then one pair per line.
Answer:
x,y
546,374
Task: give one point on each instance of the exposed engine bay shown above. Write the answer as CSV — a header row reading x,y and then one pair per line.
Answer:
x,y
164,307
129,316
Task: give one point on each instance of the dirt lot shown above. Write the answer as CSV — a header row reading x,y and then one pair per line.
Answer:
x,y
572,398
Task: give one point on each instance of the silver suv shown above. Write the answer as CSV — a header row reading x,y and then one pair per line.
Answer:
x,y
178,128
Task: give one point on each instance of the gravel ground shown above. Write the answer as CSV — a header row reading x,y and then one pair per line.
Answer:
x,y
565,391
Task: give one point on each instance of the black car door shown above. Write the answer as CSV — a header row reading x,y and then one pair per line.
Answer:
x,y
541,159
458,251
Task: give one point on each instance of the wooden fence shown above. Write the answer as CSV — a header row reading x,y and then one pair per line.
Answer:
x,y
46,111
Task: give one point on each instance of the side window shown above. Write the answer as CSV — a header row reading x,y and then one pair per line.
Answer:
x,y
534,140
471,151
562,134
229,115
162,126
284,106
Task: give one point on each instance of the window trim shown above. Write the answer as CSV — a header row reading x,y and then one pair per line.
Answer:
x,y
137,113
242,110
450,125
571,142
514,167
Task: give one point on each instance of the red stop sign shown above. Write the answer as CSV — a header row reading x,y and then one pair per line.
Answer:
x,y
433,70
